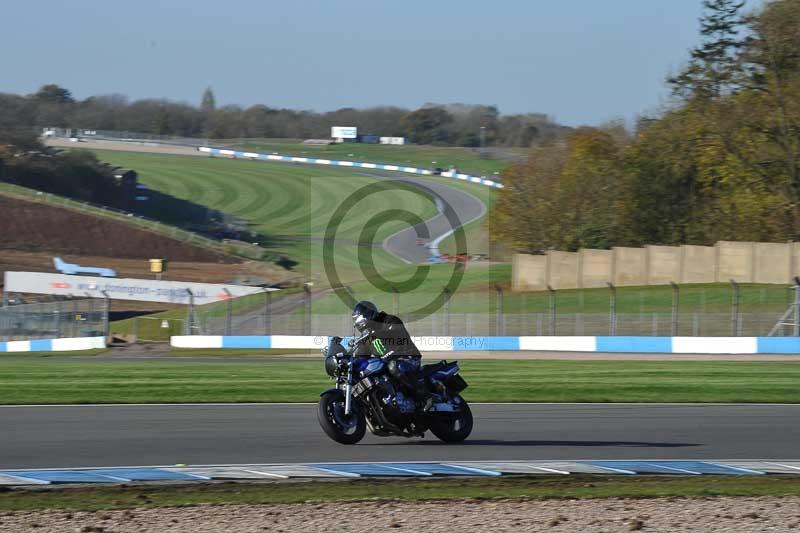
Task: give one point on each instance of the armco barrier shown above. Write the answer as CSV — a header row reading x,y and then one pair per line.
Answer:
x,y
693,345
54,345
480,180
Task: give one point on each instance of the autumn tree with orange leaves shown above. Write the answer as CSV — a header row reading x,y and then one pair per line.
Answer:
x,y
722,163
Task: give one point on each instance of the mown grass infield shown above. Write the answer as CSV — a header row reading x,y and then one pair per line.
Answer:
x,y
37,380
292,205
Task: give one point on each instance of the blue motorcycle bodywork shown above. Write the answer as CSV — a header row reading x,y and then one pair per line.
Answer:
x,y
366,366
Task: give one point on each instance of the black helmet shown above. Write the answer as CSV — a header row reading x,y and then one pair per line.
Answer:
x,y
363,312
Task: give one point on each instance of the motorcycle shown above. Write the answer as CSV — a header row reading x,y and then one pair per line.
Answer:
x,y
366,396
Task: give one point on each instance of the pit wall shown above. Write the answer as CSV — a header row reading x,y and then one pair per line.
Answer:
x,y
54,345
744,262
692,345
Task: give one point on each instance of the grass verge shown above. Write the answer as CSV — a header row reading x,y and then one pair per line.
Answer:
x,y
516,487
97,351
48,381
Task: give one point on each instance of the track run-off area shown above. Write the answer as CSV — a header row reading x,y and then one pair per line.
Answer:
x,y
76,436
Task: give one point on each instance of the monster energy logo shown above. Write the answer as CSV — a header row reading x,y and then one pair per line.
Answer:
x,y
377,344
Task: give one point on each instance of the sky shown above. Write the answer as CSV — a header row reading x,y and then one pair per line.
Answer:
x,y
579,61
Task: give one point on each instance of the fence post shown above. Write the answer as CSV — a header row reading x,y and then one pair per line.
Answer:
x,y
228,311
612,311
447,295
58,318
552,305
75,318
499,310
189,314
307,296
106,311
734,309
90,311
268,312
676,295
796,326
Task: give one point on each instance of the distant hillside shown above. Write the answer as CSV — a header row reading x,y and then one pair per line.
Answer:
x,y
33,227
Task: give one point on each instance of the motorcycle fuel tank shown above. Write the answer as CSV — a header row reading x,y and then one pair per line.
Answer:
x,y
370,366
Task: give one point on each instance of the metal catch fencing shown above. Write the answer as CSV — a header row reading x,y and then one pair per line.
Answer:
x,y
701,310
51,320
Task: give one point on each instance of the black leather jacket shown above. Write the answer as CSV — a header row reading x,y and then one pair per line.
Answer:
x,y
387,334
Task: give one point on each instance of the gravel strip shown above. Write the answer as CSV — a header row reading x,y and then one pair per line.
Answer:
x,y
669,514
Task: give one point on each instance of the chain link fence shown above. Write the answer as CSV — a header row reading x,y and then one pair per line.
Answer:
x,y
52,320
670,311
511,324
708,311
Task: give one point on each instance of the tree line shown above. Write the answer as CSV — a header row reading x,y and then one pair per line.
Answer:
x,y
721,162
76,174
454,124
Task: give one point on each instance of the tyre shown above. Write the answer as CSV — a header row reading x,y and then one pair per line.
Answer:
x,y
344,429
455,428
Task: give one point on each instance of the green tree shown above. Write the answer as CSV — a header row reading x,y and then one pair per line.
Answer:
x,y
714,65
161,122
526,215
568,195
53,94
427,125
208,103
771,109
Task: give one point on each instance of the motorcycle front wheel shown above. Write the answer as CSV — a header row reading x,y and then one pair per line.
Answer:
x,y
456,428
344,429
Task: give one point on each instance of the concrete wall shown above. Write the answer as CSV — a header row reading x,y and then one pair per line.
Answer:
x,y
528,272
734,261
596,267
745,262
630,266
796,259
663,264
562,270
772,262
698,264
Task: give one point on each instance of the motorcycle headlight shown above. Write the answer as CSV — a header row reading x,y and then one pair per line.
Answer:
x,y
330,365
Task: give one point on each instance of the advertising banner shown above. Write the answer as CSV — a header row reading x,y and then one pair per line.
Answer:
x,y
142,290
344,132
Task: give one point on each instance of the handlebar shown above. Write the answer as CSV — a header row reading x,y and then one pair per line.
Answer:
x,y
361,339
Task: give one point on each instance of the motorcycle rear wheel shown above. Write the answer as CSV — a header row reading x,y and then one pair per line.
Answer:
x,y
344,429
456,428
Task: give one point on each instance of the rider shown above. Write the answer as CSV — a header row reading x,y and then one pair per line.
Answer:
x,y
388,335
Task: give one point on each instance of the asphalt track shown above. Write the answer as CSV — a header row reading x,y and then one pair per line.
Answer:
x,y
456,209
137,435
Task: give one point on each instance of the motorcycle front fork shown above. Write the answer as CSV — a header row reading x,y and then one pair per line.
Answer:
x,y
348,390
